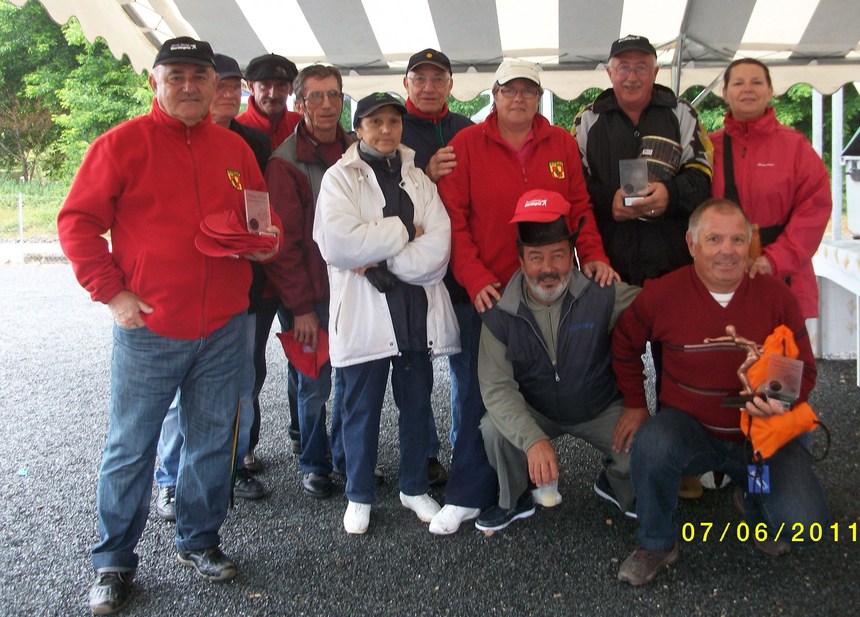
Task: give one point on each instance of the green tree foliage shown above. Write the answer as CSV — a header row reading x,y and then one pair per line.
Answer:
x,y
468,108
564,112
58,92
95,96
29,39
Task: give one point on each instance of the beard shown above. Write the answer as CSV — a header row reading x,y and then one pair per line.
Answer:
x,y
548,295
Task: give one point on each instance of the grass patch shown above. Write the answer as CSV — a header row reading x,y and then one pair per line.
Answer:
x,y
41,203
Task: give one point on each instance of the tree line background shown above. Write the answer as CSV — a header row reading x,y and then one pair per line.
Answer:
x,y
58,92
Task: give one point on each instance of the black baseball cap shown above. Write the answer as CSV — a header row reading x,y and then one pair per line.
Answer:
x,y
226,67
372,102
632,42
429,56
184,49
271,66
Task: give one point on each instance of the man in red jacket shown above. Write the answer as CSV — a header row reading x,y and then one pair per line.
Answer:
x,y
178,313
270,79
691,433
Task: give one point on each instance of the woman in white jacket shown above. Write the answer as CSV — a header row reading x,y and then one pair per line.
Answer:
x,y
386,238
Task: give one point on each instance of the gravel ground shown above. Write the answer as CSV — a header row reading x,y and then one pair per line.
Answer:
x,y
294,556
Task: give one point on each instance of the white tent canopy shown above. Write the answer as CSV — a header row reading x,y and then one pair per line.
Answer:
x,y
809,41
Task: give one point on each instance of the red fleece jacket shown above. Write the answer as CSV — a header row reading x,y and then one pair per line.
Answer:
x,y
481,195
149,182
256,119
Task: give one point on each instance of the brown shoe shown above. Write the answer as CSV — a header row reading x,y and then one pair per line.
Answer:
x,y
773,548
691,488
642,566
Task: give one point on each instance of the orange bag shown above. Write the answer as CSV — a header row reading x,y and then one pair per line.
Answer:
x,y
767,435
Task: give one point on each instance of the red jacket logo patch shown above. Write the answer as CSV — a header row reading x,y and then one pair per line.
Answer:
x,y
235,179
556,168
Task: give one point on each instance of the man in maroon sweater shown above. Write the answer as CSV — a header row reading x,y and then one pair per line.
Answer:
x,y
692,433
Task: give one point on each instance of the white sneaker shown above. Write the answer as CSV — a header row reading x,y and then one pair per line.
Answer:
x,y
709,480
422,505
448,519
357,517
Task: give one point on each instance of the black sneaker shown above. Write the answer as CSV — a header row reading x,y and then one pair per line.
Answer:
x,y
110,592
165,503
497,518
210,563
603,489
247,486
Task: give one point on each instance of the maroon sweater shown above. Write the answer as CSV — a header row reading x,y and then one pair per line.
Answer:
x,y
678,311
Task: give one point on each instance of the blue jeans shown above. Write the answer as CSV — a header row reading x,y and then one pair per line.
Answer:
x,y
472,482
170,441
169,446
312,395
146,371
673,443
363,396
338,456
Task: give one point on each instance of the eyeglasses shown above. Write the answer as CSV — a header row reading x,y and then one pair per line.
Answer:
x,y
315,99
437,81
527,93
624,70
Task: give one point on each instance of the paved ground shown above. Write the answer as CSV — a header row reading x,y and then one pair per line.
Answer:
x,y
294,556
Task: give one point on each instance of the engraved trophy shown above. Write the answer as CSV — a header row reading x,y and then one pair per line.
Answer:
x,y
783,374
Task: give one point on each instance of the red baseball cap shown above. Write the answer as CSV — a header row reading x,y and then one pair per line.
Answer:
x,y
540,206
543,217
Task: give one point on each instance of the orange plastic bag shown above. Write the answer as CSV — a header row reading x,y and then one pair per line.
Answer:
x,y
767,435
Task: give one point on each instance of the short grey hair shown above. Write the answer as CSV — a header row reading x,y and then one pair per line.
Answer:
x,y
718,204
315,71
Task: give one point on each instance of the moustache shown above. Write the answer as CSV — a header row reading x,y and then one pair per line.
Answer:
x,y
549,276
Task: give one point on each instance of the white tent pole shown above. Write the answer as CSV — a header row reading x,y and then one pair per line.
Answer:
x,y
836,163
546,107
818,122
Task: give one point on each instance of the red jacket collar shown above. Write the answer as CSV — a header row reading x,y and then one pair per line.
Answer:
x,y
764,124
414,111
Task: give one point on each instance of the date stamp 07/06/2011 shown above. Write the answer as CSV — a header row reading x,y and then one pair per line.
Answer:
x,y
794,533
